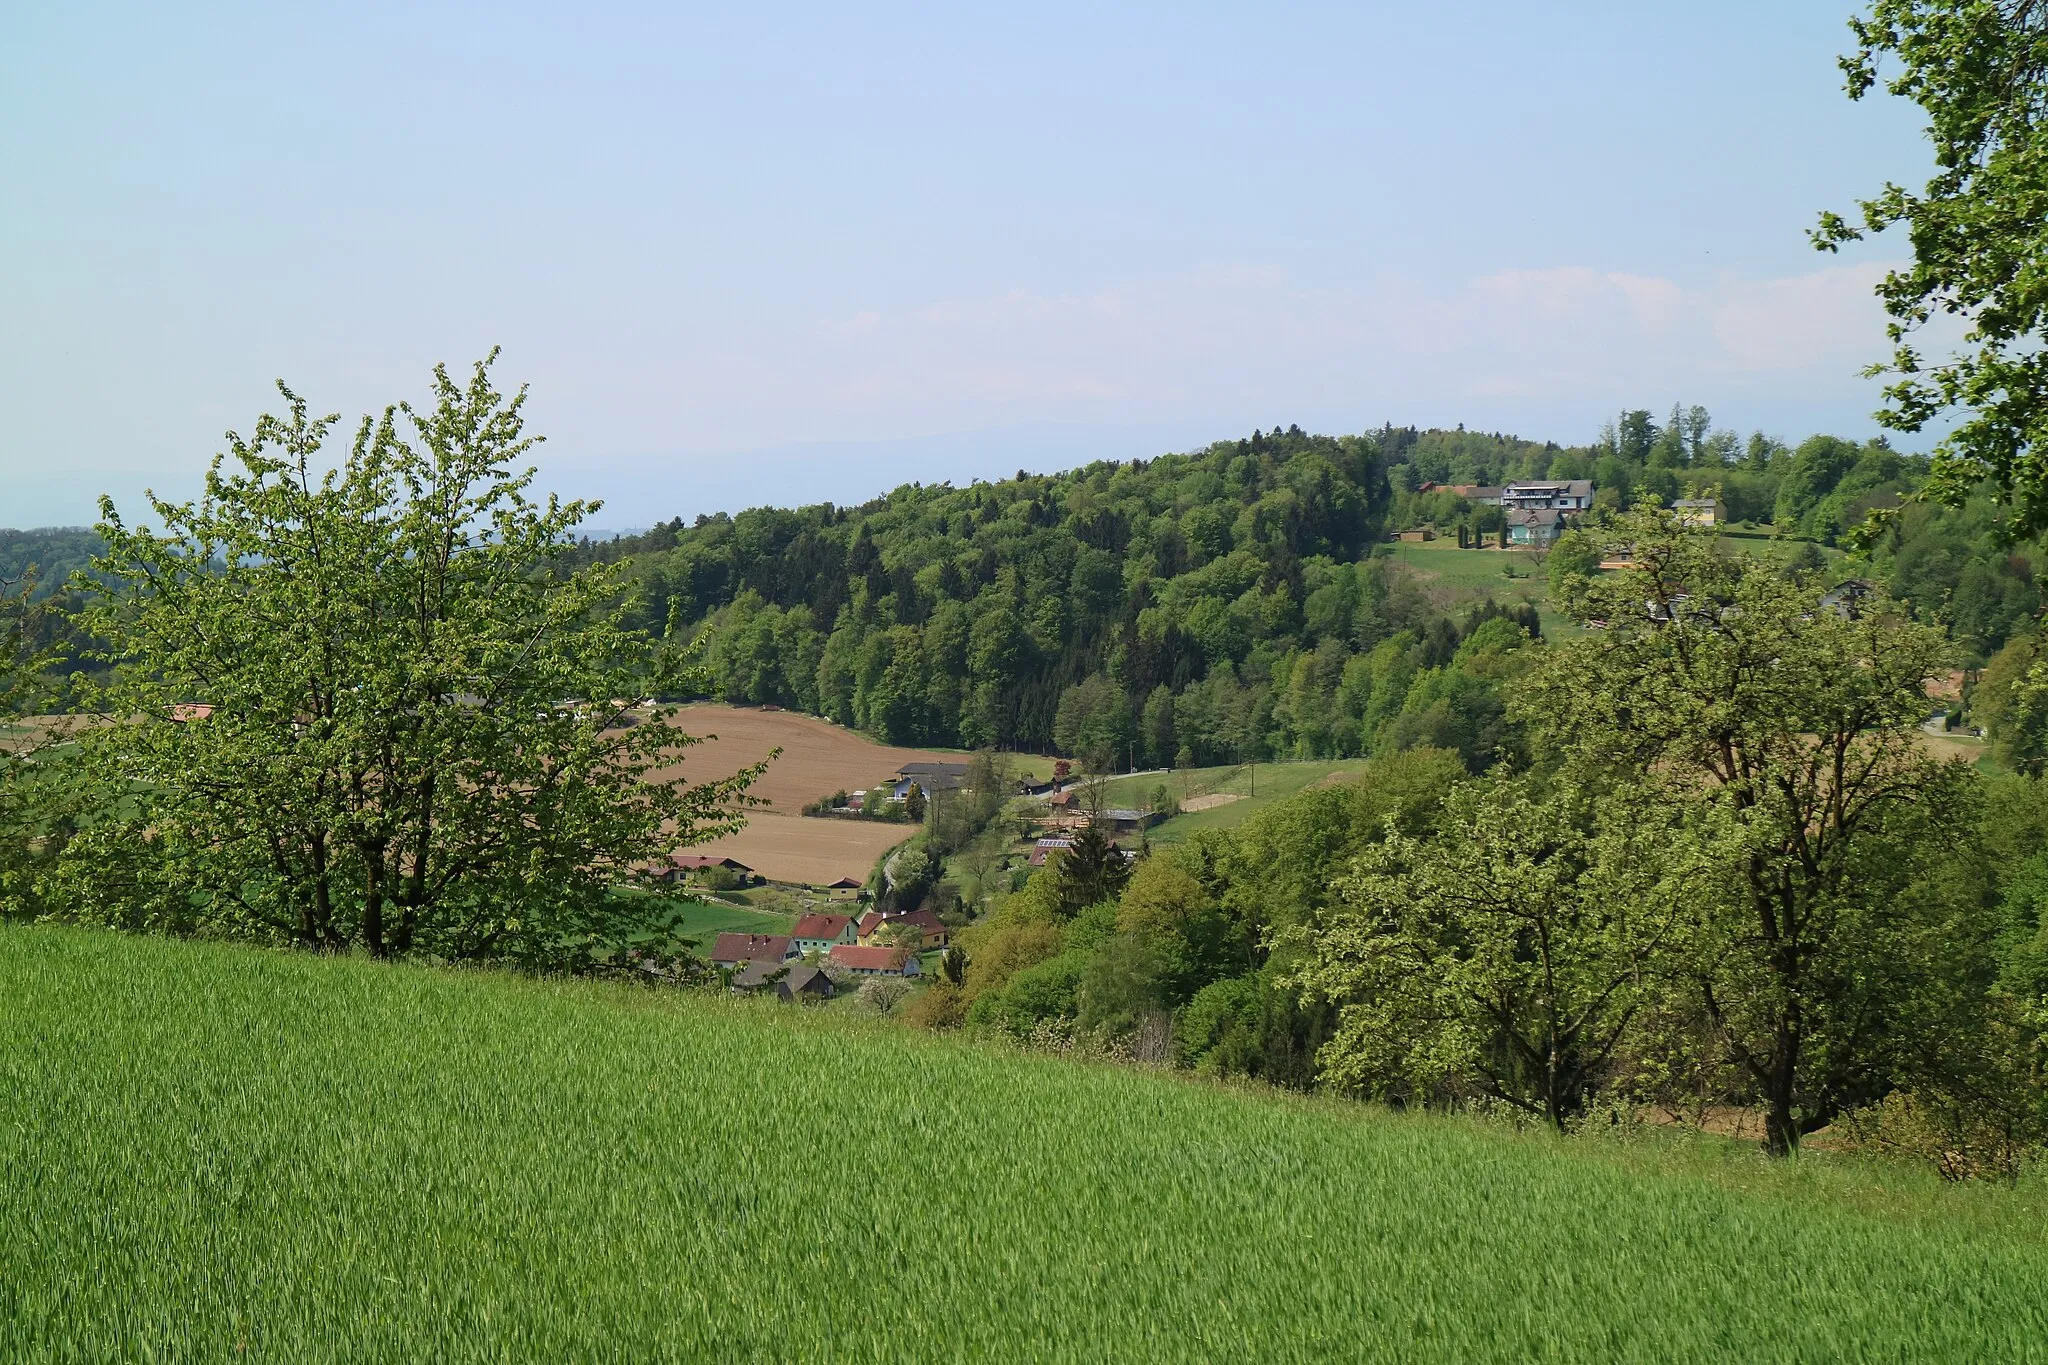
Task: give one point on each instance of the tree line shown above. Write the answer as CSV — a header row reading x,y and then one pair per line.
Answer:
x,y
1726,872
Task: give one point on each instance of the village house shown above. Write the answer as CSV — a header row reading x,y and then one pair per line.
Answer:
x,y
682,867
792,981
875,961
1045,848
735,950
870,927
822,933
1534,527
1569,495
1703,513
844,889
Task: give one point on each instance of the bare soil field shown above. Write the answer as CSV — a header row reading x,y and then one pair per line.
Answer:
x,y
818,758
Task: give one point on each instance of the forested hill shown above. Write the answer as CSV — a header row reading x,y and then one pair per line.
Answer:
x,y
967,615
1227,604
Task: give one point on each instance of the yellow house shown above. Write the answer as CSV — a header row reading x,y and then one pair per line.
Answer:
x,y
1704,513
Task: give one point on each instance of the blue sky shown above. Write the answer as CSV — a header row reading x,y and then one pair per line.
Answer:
x,y
783,253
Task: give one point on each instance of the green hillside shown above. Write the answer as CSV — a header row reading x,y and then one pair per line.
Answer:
x,y
218,1154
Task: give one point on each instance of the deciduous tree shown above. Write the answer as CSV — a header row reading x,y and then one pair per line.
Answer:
x,y
1508,956
367,707
1979,70
1784,725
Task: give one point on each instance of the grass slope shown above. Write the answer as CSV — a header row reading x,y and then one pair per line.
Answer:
x,y
209,1153
1258,788
704,922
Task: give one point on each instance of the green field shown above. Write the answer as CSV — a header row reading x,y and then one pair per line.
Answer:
x,y
704,922
1259,787
209,1153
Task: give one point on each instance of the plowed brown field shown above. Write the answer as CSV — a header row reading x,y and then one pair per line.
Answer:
x,y
818,758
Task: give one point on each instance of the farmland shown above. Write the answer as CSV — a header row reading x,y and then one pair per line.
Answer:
x,y
496,1168
1229,794
818,758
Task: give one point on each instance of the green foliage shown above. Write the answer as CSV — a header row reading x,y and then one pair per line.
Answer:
x,y
36,796
362,712
1979,71
996,615
1508,956
1576,554
1784,731
1090,872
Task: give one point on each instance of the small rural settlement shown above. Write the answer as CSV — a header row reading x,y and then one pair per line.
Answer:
x,y
818,905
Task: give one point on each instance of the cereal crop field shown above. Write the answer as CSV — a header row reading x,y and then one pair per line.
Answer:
x,y
218,1154
818,758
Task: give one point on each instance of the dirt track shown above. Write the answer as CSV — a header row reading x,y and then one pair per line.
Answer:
x,y
818,758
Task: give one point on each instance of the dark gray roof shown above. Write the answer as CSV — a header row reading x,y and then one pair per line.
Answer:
x,y
758,973
806,981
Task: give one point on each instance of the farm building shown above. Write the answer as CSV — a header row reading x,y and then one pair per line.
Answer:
x,y
1117,820
876,961
734,950
792,981
1126,821
932,777
844,889
821,933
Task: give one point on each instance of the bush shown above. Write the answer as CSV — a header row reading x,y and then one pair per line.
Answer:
x,y
1963,1141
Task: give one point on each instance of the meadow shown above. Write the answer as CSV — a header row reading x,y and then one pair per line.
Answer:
x,y
215,1153
1458,577
1248,790
706,920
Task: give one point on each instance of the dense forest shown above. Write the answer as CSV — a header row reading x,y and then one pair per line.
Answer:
x,y
1239,602
1235,602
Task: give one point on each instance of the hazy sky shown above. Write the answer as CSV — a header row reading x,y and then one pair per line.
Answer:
x,y
789,252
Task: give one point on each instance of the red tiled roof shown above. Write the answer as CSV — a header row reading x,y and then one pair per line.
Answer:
x,y
869,959
869,922
821,926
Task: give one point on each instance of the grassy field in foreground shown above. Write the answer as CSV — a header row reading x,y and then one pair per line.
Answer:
x,y
216,1154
